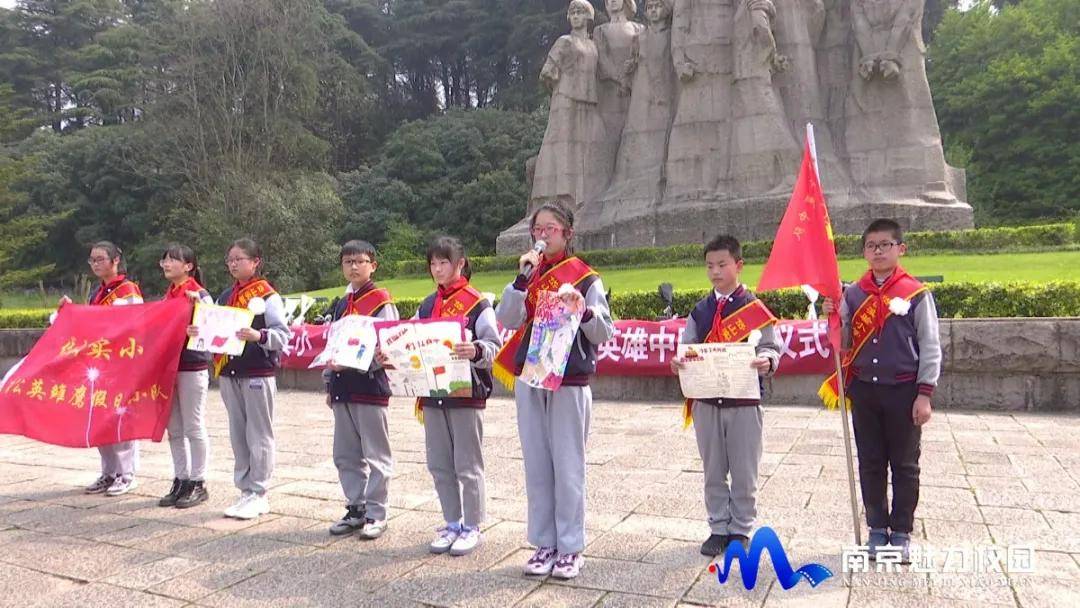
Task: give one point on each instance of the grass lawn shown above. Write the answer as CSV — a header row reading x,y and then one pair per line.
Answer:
x,y
1036,267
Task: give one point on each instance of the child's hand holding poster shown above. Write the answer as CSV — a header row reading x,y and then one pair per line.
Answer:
x,y
718,370
350,343
217,329
554,331
421,360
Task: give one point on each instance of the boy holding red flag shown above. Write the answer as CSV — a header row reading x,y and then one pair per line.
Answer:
x,y
891,322
729,430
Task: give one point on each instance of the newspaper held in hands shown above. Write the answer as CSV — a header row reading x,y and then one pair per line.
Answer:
x,y
718,370
421,359
350,343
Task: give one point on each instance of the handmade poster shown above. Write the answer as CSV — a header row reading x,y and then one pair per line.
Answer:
x,y
421,357
554,330
217,329
350,343
718,370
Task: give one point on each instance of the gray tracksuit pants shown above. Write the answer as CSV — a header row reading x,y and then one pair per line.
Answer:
x,y
362,455
250,405
454,440
188,439
729,441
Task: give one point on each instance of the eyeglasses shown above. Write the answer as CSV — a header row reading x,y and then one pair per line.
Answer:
x,y
92,261
351,262
883,247
549,229
231,261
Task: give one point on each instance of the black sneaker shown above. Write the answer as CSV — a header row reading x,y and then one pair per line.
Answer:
x,y
178,488
196,494
714,545
352,521
742,539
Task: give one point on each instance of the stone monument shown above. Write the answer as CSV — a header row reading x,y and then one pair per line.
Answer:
x,y
693,123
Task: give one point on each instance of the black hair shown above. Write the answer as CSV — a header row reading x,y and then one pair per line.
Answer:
x,y
884,225
185,254
565,217
113,252
449,248
250,247
724,242
357,247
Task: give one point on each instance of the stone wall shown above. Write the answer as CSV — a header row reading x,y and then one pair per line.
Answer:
x,y
990,364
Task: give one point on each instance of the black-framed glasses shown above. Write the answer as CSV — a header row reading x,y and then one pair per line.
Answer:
x,y
884,247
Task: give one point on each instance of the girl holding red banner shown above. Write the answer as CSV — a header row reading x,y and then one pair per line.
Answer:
x,y
554,425
188,439
118,461
247,382
359,401
454,428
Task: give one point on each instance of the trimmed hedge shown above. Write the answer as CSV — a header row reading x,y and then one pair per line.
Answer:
x,y
954,300
24,318
978,240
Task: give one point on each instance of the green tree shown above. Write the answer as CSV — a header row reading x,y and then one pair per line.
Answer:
x,y
1006,85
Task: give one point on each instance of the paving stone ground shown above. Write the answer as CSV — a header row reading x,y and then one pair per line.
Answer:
x,y
988,479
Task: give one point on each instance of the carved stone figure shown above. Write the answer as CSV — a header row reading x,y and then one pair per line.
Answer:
x,y
669,134
614,46
643,151
763,149
565,167
701,50
892,138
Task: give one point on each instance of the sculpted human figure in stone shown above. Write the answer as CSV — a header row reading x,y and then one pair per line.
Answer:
x,y
764,153
701,51
614,46
565,167
643,151
892,136
800,28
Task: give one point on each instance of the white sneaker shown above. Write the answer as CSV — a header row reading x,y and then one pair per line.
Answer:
x,y
255,506
445,537
373,529
466,542
568,566
236,506
122,485
541,563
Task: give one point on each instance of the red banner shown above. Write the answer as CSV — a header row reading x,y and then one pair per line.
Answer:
x,y
99,375
638,348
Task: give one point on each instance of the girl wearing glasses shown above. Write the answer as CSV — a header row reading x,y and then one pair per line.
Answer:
x,y
247,382
554,425
118,461
188,439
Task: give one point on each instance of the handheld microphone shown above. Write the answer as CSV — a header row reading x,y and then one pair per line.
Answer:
x,y
538,247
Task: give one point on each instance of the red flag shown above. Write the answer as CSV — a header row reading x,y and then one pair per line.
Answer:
x,y
99,375
803,252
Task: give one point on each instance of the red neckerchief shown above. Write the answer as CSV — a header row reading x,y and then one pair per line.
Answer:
x,y
442,293
107,287
867,284
180,291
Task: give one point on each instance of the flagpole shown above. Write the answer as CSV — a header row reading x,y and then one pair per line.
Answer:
x,y
856,525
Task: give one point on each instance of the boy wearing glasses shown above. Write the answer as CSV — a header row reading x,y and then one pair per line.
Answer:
x,y
891,324
359,401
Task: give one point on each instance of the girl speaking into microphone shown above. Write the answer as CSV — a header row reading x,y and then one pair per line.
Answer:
x,y
554,425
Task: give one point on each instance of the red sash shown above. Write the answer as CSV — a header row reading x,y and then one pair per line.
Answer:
x,y
459,303
180,291
120,289
368,303
867,322
570,270
735,327
240,297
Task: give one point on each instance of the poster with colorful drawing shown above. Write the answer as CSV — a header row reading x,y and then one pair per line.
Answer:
x,y
350,343
421,357
554,331
217,329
